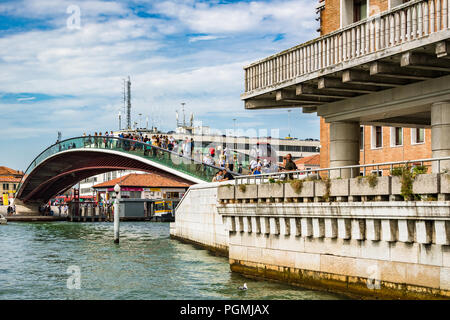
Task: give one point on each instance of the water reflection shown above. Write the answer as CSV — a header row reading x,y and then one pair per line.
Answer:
x,y
147,264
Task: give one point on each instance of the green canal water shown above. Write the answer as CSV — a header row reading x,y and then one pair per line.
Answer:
x,y
147,264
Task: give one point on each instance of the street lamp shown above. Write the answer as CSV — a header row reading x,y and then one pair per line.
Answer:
x,y
289,122
116,213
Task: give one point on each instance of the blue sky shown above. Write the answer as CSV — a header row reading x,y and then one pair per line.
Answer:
x,y
56,76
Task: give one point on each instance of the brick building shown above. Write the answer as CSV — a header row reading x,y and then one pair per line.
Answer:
x,y
381,144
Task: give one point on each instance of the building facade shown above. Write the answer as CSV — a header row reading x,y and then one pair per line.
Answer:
x,y
377,143
9,181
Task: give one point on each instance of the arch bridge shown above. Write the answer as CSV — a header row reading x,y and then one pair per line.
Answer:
x,y
65,163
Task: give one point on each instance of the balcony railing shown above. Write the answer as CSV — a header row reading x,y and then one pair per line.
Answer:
x,y
405,23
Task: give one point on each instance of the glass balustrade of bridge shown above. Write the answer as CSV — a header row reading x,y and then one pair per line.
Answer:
x,y
170,159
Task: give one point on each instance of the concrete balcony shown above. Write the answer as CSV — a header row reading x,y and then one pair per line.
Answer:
x,y
332,75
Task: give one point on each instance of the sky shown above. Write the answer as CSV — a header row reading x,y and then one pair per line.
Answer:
x,y
62,65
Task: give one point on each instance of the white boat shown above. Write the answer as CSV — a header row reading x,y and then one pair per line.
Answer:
x,y
3,219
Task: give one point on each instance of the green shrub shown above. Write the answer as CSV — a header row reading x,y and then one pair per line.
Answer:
x,y
243,188
326,196
396,172
406,180
372,180
297,185
271,180
420,170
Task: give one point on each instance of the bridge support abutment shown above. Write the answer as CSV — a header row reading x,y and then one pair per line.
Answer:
x,y
26,209
440,134
344,148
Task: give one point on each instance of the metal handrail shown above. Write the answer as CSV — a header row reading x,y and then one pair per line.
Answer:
x,y
309,172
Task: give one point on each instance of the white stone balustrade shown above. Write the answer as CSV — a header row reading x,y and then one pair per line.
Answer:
x,y
406,24
394,229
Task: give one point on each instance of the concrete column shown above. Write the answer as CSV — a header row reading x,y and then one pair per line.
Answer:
x,y
440,134
247,224
295,227
330,228
306,227
26,209
285,227
344,147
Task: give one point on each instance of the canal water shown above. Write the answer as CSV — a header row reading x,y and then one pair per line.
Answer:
x,y
36,260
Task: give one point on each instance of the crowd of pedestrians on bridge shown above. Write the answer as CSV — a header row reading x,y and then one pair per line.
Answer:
x,y
222,157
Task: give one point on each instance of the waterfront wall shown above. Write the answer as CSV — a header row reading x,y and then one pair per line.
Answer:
x,y
343,235
385,249
197,220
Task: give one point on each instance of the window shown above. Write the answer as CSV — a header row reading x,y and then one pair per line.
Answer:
x,y
5,186
353,11
361,138
377,172
377,137
359,10
396,137
395,3
417,135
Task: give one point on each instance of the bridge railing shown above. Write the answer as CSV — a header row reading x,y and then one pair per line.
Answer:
x,y
190,166
384,168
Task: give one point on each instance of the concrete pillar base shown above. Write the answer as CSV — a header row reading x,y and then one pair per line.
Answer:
x,y
440,135
344,148
26,209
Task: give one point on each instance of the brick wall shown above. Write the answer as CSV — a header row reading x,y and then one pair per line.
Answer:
x,y
330,16
385,154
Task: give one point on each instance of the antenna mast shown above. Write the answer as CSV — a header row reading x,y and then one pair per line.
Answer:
x,y
128,103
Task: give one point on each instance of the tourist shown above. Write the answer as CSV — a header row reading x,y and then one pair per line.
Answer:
x,y
289,165
253,164
257,170
218,177
226,175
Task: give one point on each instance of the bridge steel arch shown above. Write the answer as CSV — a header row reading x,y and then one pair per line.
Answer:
x,y
64,164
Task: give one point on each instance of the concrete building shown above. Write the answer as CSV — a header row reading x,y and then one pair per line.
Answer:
x,y
378,64
377,143
205,138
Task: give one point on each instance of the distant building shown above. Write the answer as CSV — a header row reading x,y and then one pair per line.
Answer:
x,y
86,185
204,138
144,186
9,181
308,163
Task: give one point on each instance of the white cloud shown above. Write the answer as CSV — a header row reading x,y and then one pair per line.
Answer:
x,y
167,61
204,38
275,16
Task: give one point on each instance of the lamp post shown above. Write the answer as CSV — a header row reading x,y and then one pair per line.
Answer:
x,y
116,213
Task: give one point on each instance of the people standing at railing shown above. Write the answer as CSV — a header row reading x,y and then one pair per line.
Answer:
x,y
257,170
95,140
289,165
226,175
218,177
